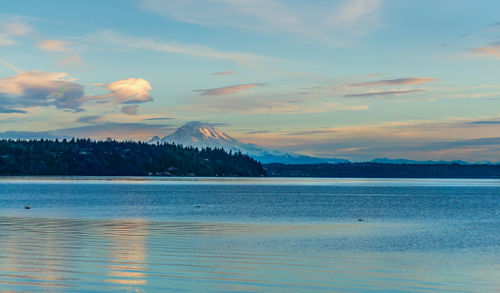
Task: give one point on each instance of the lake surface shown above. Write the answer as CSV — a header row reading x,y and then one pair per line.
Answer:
x,y
248,235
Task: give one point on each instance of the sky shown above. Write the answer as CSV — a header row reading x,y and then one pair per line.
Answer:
x,y
357,79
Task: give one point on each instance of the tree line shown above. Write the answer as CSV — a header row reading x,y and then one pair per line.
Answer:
x,y
380,170
87,157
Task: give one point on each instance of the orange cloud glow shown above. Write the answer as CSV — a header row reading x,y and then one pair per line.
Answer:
x,y
53,45
126,91
228,72
491,51
227,90
398,81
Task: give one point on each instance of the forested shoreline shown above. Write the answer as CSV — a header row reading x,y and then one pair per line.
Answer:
x,y
382,170
87,157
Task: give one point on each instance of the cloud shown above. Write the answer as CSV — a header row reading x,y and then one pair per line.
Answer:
x,y
12,28
92,119
66,54
38,88
10,66
71,59
29,135
142,131
384,93
4,110
408,81
463,144
398,81
262,104
139,131
116,40
5,42
492,51
130,109
483,122
328,21
258,132
421,140
309,132
227,90
157,118
228,72
54,45
126,91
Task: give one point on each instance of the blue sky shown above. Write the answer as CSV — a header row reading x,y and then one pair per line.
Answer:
x,y
355,79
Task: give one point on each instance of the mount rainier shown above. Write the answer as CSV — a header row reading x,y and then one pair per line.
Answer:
x,y
202,135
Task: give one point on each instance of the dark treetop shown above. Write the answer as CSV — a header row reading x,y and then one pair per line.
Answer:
x,y
112,158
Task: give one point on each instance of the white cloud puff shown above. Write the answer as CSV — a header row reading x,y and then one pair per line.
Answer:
x,y
126,91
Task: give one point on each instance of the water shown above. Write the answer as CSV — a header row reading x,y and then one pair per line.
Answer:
x,y
249,235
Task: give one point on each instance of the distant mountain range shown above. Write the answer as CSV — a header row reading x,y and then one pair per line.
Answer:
x,y
405,161
202,135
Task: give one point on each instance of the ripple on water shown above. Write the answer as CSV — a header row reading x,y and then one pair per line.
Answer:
x,y
109,255
249,235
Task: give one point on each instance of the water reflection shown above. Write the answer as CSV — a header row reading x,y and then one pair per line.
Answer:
x,y
34,255
127,252
59,255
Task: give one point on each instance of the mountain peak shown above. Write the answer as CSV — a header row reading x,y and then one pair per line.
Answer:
x,y
202,135
196,131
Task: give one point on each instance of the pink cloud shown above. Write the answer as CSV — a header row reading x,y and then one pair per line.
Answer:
x,y
227,90
66,54
490,51
228,72
383,93
398,81
54,45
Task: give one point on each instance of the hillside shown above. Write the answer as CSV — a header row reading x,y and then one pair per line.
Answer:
x,y
112,158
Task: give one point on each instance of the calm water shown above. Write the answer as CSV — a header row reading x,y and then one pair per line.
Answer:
x,y
249,235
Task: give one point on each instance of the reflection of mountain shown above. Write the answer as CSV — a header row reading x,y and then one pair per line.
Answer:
x,y
202,135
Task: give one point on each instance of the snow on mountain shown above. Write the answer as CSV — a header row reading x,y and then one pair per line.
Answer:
x,y
202,135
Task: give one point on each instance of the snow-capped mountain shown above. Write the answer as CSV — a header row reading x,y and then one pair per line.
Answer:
x,y
202,135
